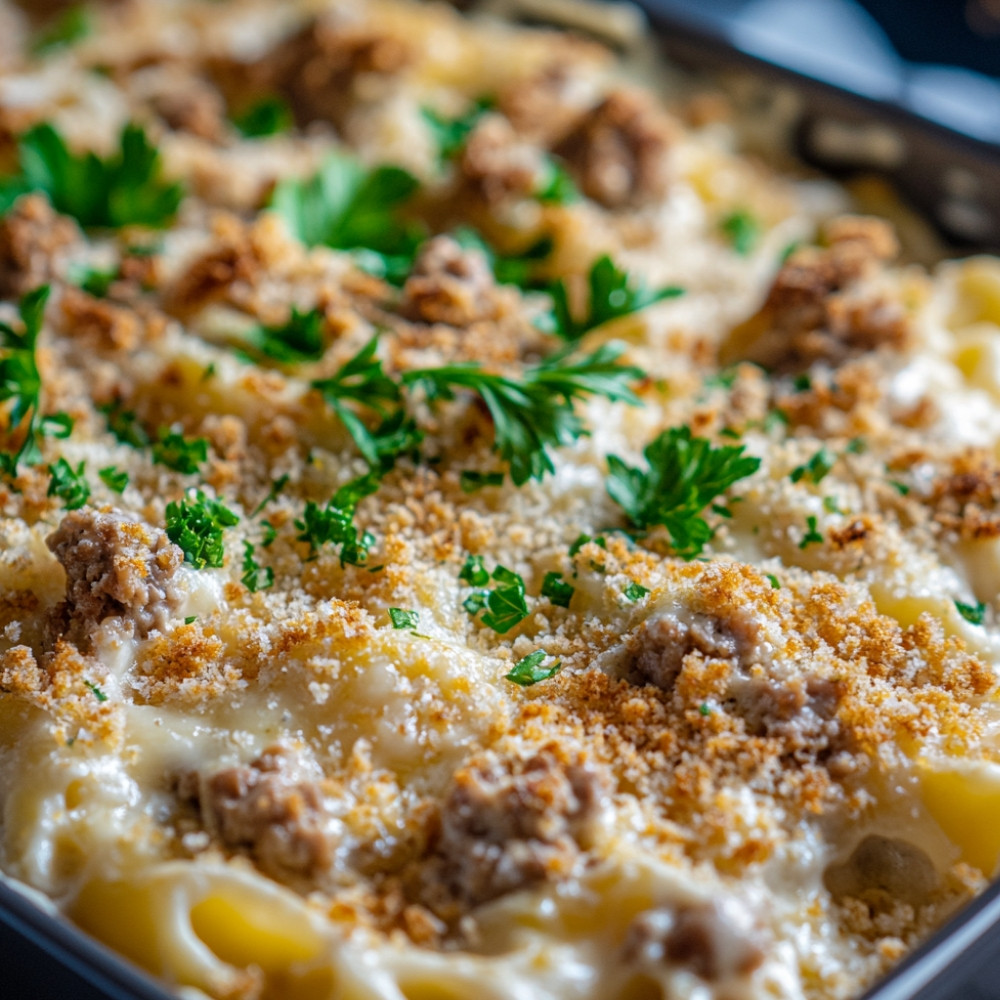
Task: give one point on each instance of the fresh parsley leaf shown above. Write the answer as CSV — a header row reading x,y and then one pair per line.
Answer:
x,y
582,540
816,469
742,230
298,339
774,581
451,134
190,620
113,479
96,281
270,534
125,426
474,573
197,524
901,488
255,577
812,535
57,425
530,671
184,455
348,207
96,692
361,379
611,296
476,601
704,709
557,590
334,522
974,614
684,475
268,116
471,481
124,189
276,487
506,605
536,413
70,25
635,592
404,619
556,187
21,381
68,484
856,446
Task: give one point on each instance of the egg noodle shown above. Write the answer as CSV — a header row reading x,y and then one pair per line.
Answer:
x,y
477,519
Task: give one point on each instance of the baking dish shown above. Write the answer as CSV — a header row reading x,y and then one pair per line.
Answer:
x,y
943,174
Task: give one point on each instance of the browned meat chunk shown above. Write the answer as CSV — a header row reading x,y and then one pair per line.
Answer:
x,y
114,567
31,236
818,309
658,647
619,152
715,940
450,285
274,809
966,499
511,823
317,68
498,165
883,869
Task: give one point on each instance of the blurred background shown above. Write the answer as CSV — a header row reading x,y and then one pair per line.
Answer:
x,y
939,58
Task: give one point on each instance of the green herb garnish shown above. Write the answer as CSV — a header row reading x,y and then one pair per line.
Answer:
x,y
404,619
69,26
471,481
774,581
474,573
974,614
113,479
268,116
816,469
505,604
68,484
124,189
451,134
557,590
196,524
812,536
742,230
275,491
684,475
176,452
530,671
255,577
611,296
536,413
96,692
298,339
556,186
635,592
125,426
334,522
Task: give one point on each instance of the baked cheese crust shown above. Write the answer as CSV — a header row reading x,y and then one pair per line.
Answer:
x,y
472,524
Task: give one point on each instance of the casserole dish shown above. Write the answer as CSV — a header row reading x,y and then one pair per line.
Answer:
x,y
956,190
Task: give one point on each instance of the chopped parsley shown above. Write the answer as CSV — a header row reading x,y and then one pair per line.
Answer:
x,y
255,577
452,133
268,116
557,590
349,207
774,581
71,25
505,604
404,619
556,187
635,592
269,535
684,475
124,189
125,426
742,230
856,446
96,692
582,540
816,469
275,491
535,413
197,524
812,536
974,614
113,478
704,709
21,381
298,339
831,506
901,488
334,522
176,452
611,296
190,620
474,573
530,670
471,481
96,281
68,484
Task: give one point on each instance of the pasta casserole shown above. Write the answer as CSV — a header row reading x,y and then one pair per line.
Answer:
x,y
477,519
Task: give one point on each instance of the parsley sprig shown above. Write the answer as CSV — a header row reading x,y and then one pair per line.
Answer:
x,y
530,671
197,524
123,189
452,133
69,484
300,338
21,381
334,522
505,604
684,475
611,295
348,207
535,413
